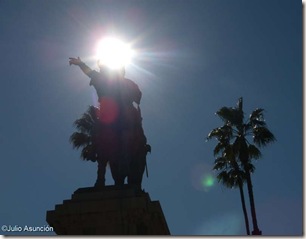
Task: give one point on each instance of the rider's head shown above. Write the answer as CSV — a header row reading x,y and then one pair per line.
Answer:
x,y
117,73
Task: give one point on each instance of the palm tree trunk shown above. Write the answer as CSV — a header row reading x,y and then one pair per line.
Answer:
x,y
246,220
244,159
256,230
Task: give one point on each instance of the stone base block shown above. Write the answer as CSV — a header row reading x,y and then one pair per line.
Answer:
x,y
109,210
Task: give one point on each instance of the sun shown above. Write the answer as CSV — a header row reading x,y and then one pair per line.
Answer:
x,y
114,53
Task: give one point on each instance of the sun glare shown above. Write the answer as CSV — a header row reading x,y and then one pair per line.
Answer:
x,y
114,53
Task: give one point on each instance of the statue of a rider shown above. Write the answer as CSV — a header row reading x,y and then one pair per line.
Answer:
x,y
120,136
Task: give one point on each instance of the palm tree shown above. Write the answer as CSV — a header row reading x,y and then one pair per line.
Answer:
x,y
86,132
86,138
230,173
237,132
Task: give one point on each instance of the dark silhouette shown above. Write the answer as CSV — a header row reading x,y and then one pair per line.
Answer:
x,y
87,137
233,138
115,128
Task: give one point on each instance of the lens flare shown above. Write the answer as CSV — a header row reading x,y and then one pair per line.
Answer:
x,y
114,53
109,110
208,181
202,178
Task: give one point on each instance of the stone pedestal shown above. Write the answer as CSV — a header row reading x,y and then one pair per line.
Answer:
x,y
110,210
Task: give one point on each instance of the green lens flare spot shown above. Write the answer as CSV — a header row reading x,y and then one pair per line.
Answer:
x,y
208,181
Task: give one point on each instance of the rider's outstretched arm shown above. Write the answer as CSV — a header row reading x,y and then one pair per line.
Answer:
x,y
78,62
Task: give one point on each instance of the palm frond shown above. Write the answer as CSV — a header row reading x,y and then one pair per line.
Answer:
x,y
228,152
93,112
254,152
88,120
251,168
223,133
228,179
257,114
79,139
248,167
223,177
85,123
89,153
215,133
240,104
87,128
219,147
220,163
230,115
262,136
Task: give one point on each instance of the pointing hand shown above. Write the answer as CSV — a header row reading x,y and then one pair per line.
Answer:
x,y
75,61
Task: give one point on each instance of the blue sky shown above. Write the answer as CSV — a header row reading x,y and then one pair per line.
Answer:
x,y
193,58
